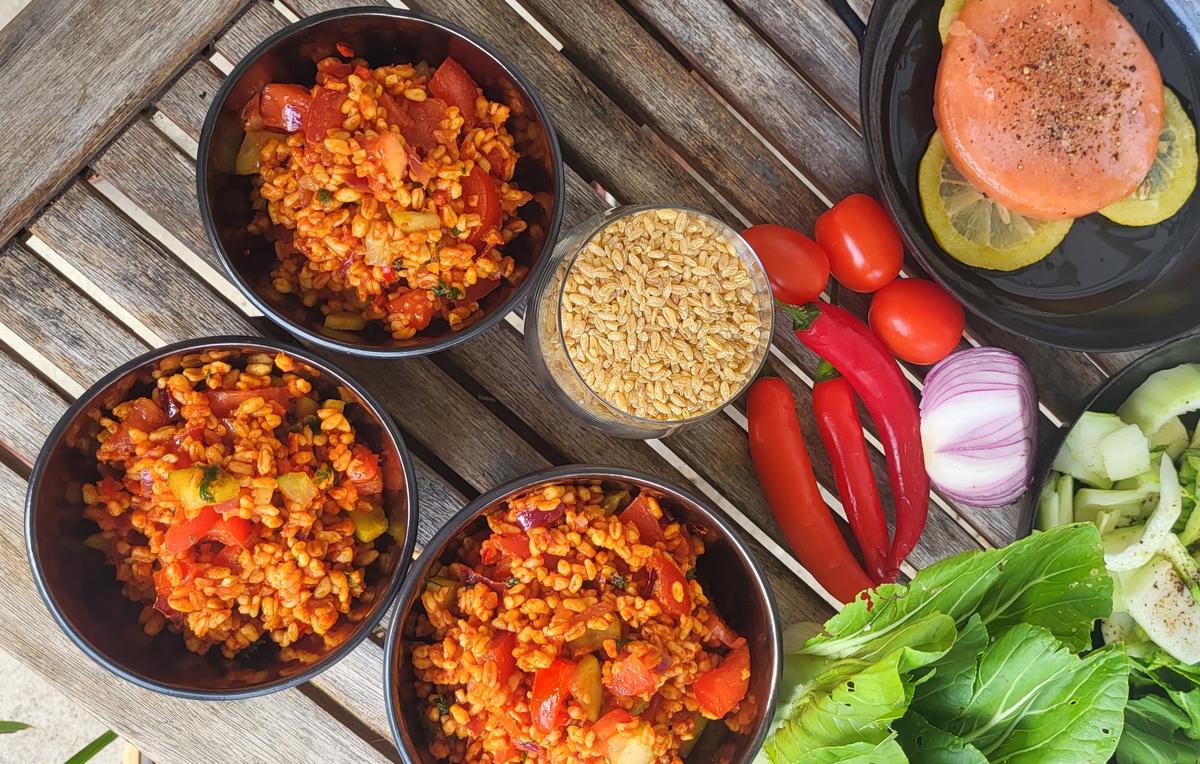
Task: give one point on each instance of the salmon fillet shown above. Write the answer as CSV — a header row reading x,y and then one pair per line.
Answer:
x,y
1053,108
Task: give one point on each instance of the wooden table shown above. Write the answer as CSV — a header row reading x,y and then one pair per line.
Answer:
x,y
746,108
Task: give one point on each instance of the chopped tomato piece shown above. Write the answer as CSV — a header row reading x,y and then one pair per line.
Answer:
x,y
252,119
228,557
182,536
502,545
720,630
498,164
331,68
642,516
551,686
452,84
414,306
423,118
500,652
224,402
630,676
477,291
185,571
144,415
284,106
364,471
606,726
388,153
232,531
717,691
671,589
345,50
324,114
479,191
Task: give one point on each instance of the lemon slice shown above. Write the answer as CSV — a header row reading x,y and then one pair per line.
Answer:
x,y
1172,177
974,229
950,11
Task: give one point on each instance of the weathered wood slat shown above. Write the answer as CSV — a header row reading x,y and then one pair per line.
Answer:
x,y
85,68
32,408
625,59
71,326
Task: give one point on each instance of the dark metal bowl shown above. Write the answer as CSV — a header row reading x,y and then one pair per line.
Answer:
x,y
1107,398
82,591
728,571
382,36
1105,287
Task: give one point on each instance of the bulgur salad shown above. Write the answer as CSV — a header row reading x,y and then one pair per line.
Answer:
x,y
237,507
571,628
388,192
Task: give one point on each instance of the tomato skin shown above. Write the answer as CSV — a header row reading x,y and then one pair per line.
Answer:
x,y
864,246
639,513
502,545
917,319
388,153
718,690
232,531
796,266
364,471
629,677
479,191
284,106
500,652
667,575
324,114
547,699
415,305
455,86
222,403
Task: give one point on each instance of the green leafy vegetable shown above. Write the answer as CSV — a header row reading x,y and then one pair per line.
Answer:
x,y
974,661
1154,734
445,290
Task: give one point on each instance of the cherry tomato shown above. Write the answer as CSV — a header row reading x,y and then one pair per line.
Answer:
x,y
414,306
864,246
796,266
182,536
452,84
918,320
231,531
479,191
719,690
284,106
629,677
388,153
500,652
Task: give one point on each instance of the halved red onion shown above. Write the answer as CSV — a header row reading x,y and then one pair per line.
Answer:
x,y
979,426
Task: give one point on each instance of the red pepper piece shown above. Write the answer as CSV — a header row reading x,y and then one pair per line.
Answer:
x,y
786,476
846,342
841,432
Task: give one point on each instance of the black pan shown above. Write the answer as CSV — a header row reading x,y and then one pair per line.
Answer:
x,y
1107,287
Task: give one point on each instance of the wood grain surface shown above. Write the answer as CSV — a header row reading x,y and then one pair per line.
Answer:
x,y
746,109
84,67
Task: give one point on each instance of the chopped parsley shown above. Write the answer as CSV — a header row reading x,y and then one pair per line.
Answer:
x,y
457,231
690,575
323,196
210,475
510,583
322,475
310,421
619,581
442,706
445,290
462,170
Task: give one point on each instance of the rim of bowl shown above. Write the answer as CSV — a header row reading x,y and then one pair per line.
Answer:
x,y
746,254
456,524
874,127
239,341
518,295
1058,439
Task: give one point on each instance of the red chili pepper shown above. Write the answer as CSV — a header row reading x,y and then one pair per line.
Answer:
x,y
837,420
786,476
847,343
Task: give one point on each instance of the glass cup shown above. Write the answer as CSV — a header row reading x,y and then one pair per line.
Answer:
x,y
548,351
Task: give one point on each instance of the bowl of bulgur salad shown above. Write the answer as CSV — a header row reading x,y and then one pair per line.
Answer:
x,y
379,181
221,518
584,614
